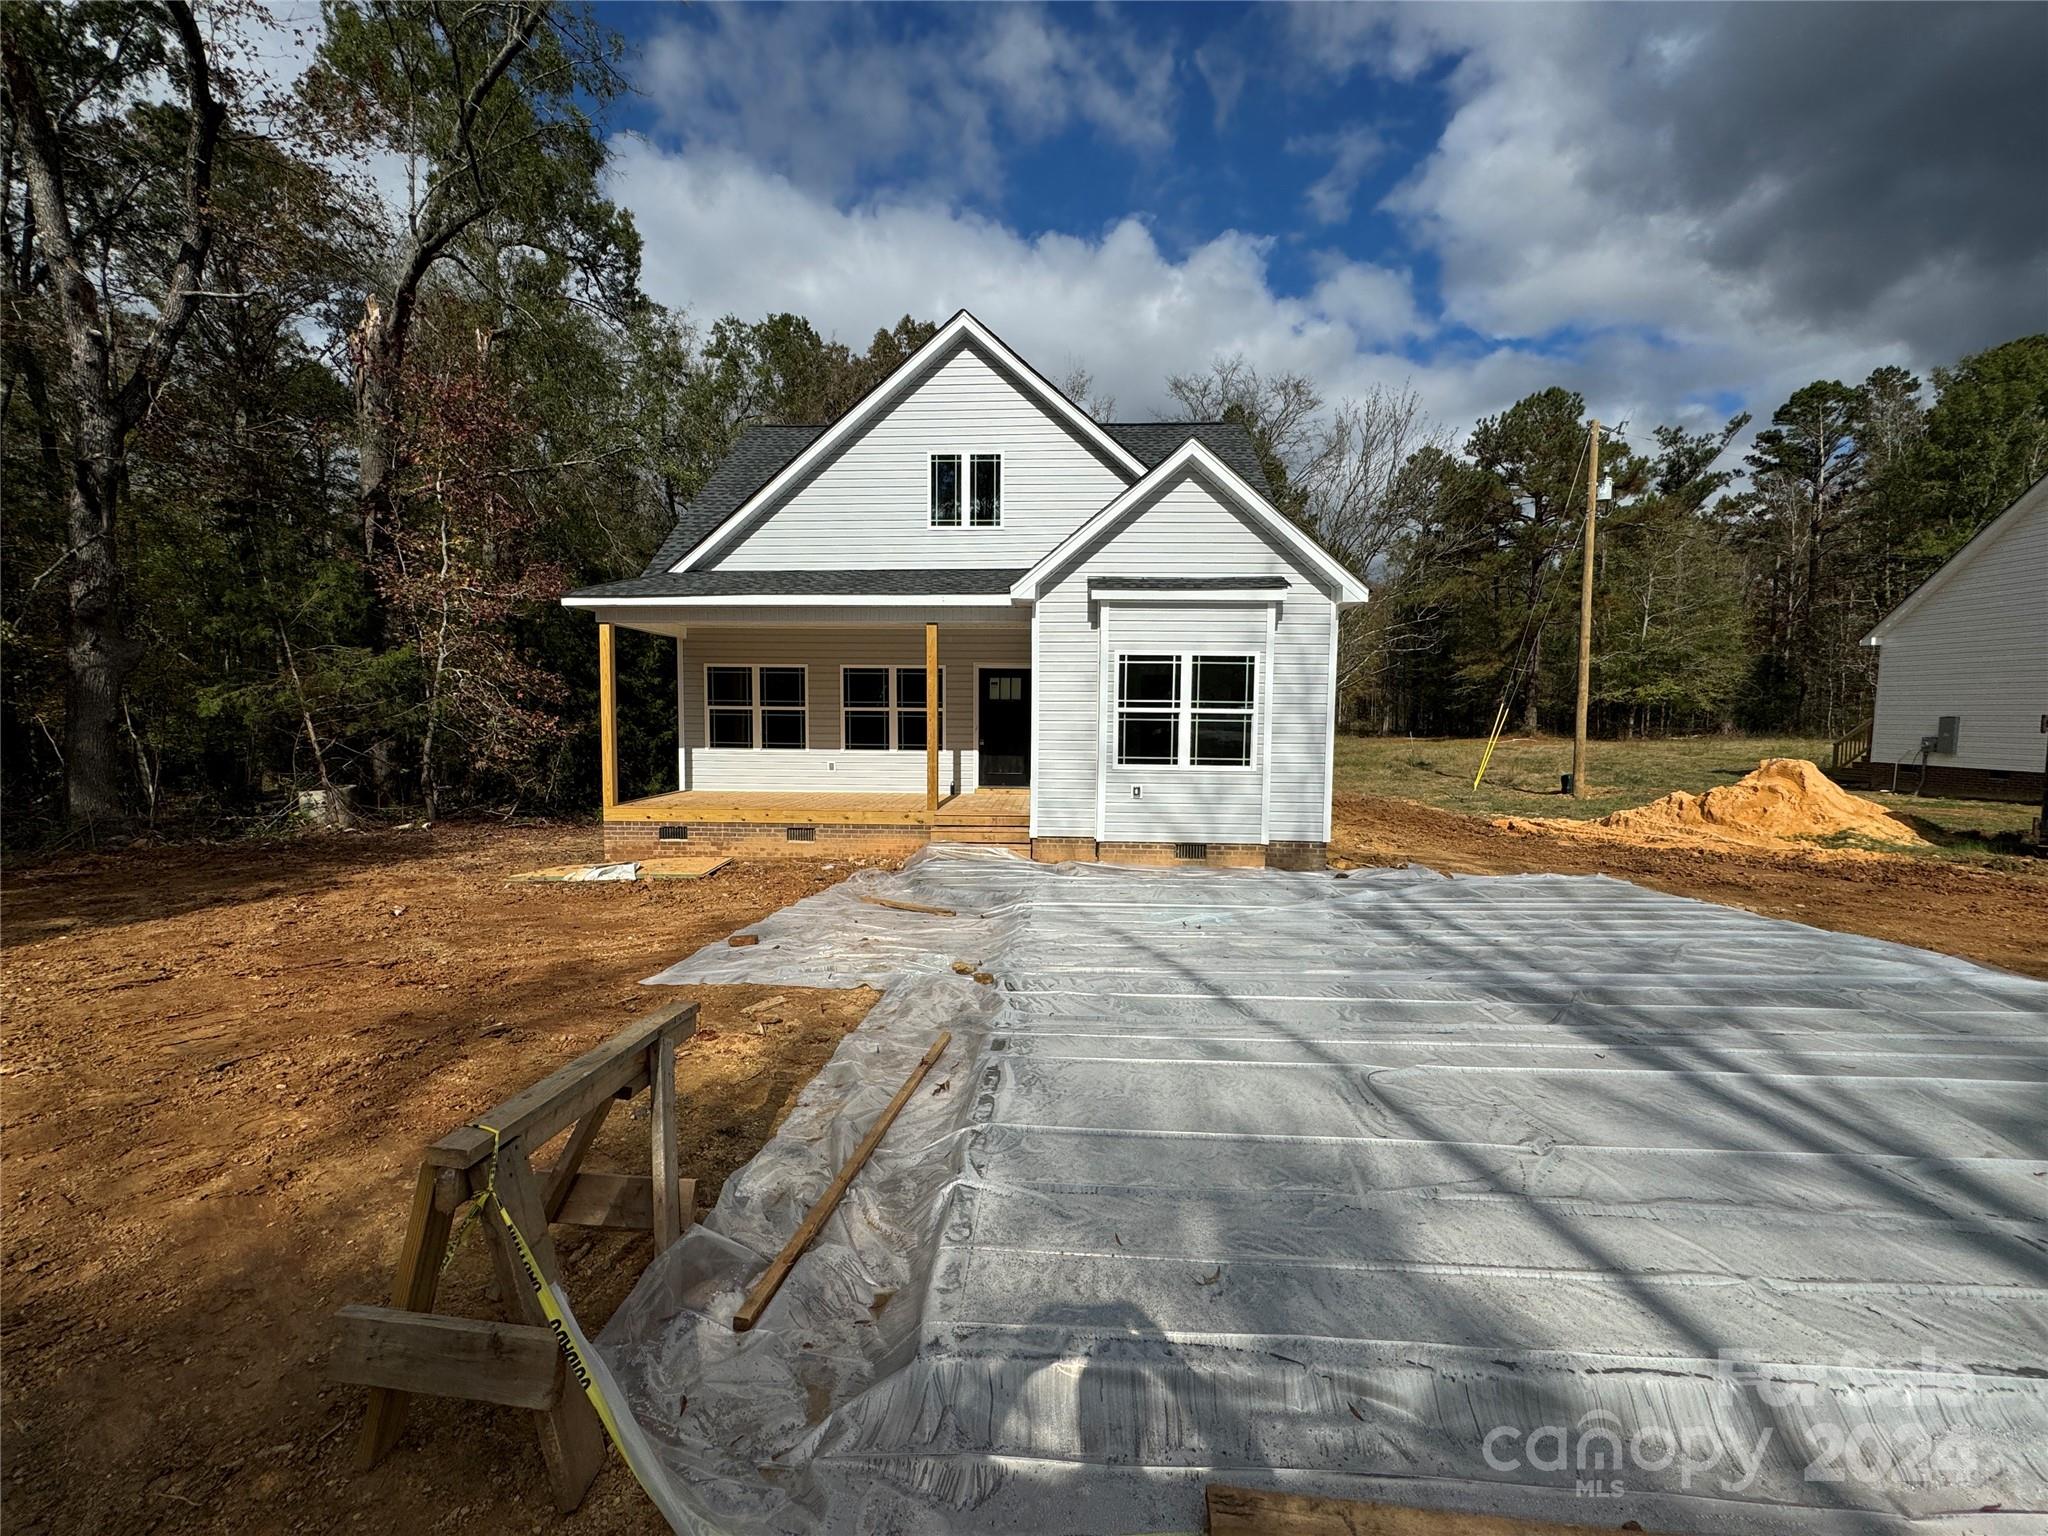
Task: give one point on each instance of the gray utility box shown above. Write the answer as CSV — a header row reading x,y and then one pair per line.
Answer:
x,y
1945,732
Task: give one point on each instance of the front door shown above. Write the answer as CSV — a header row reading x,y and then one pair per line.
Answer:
x,y
1004,733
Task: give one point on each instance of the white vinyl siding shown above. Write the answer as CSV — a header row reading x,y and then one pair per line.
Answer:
x,y
1976,647
871,506
826,763
1187,530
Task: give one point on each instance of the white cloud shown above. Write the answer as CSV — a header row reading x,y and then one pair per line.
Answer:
x,y
1352,153
831,94
723,235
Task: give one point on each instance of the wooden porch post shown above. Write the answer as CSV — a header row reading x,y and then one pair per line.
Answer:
x,y
607,716
931,721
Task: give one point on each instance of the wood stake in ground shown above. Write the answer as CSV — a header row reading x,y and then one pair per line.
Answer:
x,y
771,1280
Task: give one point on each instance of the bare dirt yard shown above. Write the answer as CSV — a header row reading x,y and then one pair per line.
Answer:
x,y
219,1065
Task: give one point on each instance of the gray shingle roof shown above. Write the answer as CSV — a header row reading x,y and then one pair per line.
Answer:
x,y
1180,583
897,583
1152,442
762,452
753,462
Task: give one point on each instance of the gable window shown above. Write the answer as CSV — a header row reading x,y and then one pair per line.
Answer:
x,y
945,490
750,706
985,501
1185,711
886,706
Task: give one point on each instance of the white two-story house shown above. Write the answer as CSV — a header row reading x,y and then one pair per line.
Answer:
x,y
1133,652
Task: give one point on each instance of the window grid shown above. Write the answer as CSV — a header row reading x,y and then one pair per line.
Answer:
x,y
985,490
965,490
889,721
1185,710
755,708
945,490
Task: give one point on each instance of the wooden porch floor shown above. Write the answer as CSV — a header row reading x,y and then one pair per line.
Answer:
x,y
979,808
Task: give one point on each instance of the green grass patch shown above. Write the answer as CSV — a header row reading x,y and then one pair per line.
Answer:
x,y
1523,780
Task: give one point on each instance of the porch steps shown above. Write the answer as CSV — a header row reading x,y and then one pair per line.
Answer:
x,y
987,818
961,832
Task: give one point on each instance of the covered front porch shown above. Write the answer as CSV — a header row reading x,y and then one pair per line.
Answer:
x,y
821,821
839,727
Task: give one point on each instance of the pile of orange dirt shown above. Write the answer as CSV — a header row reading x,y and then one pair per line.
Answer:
x,y
1786,797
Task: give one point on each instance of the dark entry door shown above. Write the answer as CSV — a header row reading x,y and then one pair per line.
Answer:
x,y
1005,731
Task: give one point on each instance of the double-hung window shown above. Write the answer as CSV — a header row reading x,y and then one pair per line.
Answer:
x,y
966,489
886,707
1185,711
945,490
756,706
985,490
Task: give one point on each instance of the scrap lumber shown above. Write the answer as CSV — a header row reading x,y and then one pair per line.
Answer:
x,y
515,1364
909,906
1260,1512
771,1279
682,869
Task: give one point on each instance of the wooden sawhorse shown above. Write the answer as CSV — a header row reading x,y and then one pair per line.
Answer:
x,y
408,1347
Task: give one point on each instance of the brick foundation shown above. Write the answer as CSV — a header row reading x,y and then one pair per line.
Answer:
x,y
770,840
759,840
1963,783
1298,856
1062,850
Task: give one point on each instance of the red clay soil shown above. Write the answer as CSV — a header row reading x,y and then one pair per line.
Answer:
x,y
220,1066
1998,916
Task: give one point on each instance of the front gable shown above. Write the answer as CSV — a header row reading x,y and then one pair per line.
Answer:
x,y
861,496
1191,517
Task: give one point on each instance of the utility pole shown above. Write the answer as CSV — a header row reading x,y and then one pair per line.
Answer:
x,y
1586,614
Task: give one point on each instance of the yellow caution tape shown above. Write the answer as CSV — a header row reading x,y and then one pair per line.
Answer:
x,y
584,1364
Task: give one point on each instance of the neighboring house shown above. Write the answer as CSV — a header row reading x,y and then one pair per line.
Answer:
x,y
1962,676
1135,650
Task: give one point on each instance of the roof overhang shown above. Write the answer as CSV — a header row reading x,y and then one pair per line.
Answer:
x,y
2031,498
1345,588
804,600
962,330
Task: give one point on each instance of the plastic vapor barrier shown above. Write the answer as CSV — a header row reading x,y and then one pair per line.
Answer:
x,y
1500,1194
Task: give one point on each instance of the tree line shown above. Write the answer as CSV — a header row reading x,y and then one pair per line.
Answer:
x,y
1732,590
294,476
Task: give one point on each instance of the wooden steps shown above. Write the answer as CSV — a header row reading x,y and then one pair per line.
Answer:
x,y
1007,837
999,818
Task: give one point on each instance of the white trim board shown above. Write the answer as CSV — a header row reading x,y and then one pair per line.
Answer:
x,y
800,600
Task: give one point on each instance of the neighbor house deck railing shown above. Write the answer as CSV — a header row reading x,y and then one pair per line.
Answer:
x,y
1852,748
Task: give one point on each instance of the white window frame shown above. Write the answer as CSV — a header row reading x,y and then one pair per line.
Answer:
x,y
1184,710
896,706
755,707
966,458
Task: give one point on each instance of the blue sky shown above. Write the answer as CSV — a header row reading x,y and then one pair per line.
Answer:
x,y
1682,210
